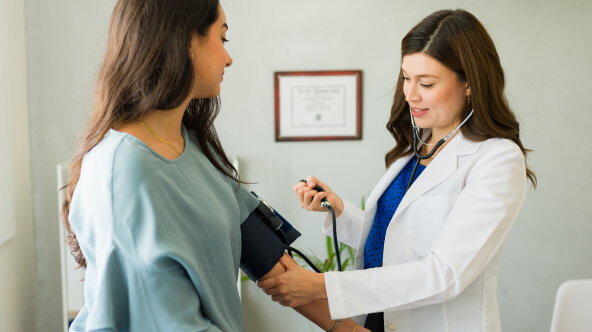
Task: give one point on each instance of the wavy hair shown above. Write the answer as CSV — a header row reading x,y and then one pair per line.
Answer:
x,y
147,66
459,41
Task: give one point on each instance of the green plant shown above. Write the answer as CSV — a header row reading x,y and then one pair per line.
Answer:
x,y
330,263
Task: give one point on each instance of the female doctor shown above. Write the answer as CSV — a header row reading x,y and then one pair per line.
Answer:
x,y
428,254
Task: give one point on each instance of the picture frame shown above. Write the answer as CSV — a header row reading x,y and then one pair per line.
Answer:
x,y
318,105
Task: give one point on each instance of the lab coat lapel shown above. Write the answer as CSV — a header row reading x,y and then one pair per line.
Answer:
x,y
372,200
438,170
384,182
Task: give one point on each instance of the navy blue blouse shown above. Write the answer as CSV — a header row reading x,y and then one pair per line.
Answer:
x,y
385,210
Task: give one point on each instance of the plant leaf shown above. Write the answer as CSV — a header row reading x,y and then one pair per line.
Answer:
x,y
345,264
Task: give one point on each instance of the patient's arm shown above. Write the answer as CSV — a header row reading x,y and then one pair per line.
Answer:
x,y
316,311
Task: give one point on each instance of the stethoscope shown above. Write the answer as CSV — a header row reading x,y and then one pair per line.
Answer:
x,y
436,146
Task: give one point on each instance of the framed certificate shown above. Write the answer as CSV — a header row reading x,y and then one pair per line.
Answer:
x,y
318,105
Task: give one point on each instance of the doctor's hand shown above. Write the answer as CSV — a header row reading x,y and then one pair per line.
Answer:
x,y
295,287
310,199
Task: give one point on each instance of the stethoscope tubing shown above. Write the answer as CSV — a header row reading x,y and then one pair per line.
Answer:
x,y
419,157
429,155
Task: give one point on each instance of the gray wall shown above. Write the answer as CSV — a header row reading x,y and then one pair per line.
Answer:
x,y
545,49
65,43
17,270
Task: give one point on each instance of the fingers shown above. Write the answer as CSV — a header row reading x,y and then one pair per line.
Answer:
x,y
300,188
277,295
279,290
289,263
287,301
277,298
309,198
276,285
267,284
299,185
313,197
274,292
311,181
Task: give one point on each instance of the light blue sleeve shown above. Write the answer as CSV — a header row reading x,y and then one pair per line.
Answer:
x,y
162,240
134,281
246,202
130,298
159,288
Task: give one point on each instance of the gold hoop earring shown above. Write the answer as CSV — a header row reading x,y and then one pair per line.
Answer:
x,y
191,55
468,99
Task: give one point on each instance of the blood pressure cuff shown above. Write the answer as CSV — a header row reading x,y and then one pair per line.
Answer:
x,y
263,243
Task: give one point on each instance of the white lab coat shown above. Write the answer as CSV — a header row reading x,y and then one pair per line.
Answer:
x,y
442,246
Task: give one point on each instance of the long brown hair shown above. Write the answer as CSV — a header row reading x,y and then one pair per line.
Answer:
x,y
147,66
459,41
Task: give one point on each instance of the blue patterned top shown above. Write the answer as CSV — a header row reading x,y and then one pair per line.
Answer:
x,y
385,210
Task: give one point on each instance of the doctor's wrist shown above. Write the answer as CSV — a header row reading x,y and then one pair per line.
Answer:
x,y
319,289
349,325
336,203
337,322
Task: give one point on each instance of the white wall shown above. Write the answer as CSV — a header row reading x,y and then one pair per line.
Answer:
x,y
17,273
64,42
545,49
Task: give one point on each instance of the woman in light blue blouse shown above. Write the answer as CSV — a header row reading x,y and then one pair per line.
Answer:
x,y
154,208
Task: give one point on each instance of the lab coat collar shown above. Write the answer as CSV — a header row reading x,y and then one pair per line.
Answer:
x,y
465,147
439,169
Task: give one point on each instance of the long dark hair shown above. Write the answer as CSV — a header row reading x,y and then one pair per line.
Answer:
x,y
459,41
147,66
